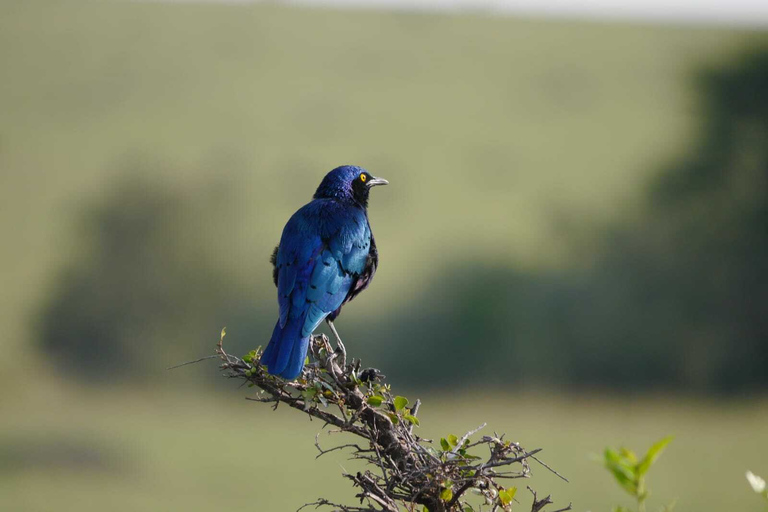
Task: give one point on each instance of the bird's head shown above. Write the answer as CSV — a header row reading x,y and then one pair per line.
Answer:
x,y
348,182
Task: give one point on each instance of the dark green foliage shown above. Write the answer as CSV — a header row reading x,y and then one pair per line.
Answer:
x,y
143,289
675,299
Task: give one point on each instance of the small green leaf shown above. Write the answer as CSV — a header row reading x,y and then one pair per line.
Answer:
x,y
444,444
622,472
306,361
223,333
446,494
629,455
400,403
375,400
653,453
394,418
453,440
413,419
505,497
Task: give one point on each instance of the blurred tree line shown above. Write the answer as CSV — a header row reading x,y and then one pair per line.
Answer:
x,y
676,299
147,290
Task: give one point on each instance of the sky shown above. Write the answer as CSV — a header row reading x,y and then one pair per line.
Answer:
x,y
749,13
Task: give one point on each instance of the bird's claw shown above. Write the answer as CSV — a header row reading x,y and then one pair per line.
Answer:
x,y
341,354
341,350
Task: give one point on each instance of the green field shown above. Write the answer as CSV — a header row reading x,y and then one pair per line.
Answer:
x,y
546,125
170,450
549,130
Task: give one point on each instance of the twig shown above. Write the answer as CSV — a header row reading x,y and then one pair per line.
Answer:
x,y
192,362
549,468
410,473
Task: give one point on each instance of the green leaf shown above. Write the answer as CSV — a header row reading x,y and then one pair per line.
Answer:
x,y
653,453
621,471
375,400
611,456
453,440
446,494
413,419
394,418
468,456
306,361
400,403
444,444
629,455
223,333
505,497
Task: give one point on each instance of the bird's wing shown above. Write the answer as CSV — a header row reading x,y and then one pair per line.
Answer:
x,y
295,261
323,250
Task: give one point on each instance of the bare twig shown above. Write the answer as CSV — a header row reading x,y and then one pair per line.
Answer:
x,y
549,468
540,504
192,362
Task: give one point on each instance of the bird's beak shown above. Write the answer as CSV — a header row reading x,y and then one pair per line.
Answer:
x,y
377,181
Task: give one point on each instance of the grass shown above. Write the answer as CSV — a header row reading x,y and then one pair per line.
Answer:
x,y
536,126
168,449
539,126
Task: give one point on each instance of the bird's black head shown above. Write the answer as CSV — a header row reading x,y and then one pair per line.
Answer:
x,y
348,182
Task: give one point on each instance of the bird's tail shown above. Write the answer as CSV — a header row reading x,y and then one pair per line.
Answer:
x,y
287,350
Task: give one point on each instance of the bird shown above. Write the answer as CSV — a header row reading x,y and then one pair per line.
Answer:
x,y
327,255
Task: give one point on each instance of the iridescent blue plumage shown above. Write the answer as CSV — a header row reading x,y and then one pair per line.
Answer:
x,y
327,255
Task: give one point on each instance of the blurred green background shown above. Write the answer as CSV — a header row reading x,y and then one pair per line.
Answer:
x,y
574,244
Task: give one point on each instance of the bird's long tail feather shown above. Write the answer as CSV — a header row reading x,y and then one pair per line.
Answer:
x,y
286,351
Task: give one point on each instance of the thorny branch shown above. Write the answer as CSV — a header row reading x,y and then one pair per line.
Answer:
x,y
408,472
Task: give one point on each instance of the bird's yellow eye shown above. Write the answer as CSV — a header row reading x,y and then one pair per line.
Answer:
x,y
363,177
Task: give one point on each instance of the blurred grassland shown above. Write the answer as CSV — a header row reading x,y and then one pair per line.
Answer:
x,y
500,136
161,450
473,120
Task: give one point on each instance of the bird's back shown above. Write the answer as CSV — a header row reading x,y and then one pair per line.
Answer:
x,y
324,250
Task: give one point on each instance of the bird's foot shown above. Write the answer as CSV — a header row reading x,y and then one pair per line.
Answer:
x,y
341,350
326,356
342,353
